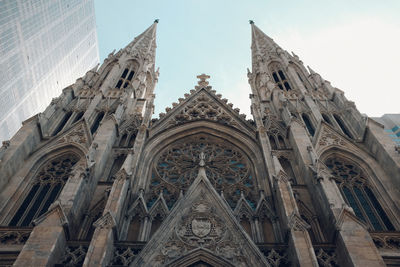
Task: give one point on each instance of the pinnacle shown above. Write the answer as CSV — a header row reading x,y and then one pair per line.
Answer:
x,y
260,40
144,45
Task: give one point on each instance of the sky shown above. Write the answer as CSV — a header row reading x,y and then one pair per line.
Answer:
x,y
353,44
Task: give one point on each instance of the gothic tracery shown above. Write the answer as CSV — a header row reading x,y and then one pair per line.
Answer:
x,y
228,169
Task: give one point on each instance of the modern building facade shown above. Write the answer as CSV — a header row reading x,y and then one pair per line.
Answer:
x,y
391,122
95,181
44,46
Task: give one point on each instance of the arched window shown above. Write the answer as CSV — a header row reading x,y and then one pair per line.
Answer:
x,y
128,138
62,123
125,78
47,185
245,222
358,193
280,77
96,122
78,116
272,142
342,125
117,164
326,118
287,167
156,223
308,124
227,168
281,142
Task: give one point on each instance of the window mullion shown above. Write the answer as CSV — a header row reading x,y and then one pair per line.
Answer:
x,y
28,208
373,209
366,217
42,202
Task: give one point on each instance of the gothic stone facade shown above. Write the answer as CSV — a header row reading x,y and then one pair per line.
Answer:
x,y
94,181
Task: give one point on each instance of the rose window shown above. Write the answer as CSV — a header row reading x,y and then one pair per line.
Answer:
x,y
227,168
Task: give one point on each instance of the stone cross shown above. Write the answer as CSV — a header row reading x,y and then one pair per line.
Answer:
x,y
203,77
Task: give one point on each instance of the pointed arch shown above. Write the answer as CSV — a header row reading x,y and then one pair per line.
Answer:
x,y
279,76
308,124
214,131
359,179
97,121
272,142
49,185
287,167
266,215
127,74
326,118
309,217
116,165
342,126
201,255
105,72
45,186
62,123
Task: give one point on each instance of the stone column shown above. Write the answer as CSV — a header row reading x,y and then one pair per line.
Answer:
x,y
300,246
354,244
101,247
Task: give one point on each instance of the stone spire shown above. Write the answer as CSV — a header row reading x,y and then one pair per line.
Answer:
x,y
144,45
262,46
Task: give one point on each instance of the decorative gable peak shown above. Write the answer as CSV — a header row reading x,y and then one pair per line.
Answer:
x,y
202,83
200,220
78,134
202,104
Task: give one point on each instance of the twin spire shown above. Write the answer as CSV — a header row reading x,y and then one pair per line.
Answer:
x,y
145,43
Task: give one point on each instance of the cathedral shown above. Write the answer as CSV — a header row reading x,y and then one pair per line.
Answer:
x,y
94,180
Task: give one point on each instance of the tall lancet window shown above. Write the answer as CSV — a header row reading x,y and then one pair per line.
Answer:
x,y
358,193
307,122
342,125
46,186
125,78
280,77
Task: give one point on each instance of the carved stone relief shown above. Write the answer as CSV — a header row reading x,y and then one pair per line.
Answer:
x,y
202,227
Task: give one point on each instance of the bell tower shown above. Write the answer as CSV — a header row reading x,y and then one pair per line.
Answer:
x,y
308,129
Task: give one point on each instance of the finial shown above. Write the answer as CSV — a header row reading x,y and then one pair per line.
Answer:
x,y
156,20
203,77
202,158
251,21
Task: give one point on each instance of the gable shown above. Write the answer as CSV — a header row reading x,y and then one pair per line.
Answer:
x,y
203,104
200,220
78,134
327,137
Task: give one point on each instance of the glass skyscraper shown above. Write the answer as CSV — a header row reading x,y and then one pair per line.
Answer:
x,y
44,46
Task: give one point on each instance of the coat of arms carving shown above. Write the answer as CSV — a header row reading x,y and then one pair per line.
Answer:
x,y
201,227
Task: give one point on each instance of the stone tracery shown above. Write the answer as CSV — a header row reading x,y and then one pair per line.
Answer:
x,y
356,189
46,186
227,168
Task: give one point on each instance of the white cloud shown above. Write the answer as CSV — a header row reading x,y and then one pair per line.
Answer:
x,y
360,57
